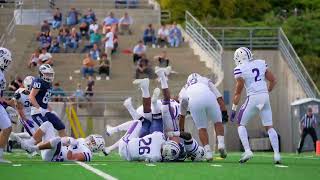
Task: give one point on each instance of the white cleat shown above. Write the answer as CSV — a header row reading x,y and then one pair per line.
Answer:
x,y
246,156
30,148
277,158
106,151
127,102
155,95
208,155
142,82
109,130
4,161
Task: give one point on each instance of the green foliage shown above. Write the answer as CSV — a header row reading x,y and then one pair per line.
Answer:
x,y
302,29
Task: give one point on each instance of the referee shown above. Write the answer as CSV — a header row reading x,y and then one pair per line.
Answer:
x,y
307,126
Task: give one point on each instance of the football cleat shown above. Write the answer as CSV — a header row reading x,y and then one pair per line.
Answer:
x,y
109,130
277,158
223,153
208,154
142,82
106,151
127,102
246,156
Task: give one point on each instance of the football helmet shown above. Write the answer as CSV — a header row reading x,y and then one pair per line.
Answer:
x,y
27,82
46,73
5,58
95,142
170,150
242,55
198,155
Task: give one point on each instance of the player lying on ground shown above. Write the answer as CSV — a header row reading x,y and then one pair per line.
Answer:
x,y
152,147
204,100
252,75
58,149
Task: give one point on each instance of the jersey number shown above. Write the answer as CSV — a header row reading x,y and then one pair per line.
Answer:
x,y
257,74
46,97
144,146
27,104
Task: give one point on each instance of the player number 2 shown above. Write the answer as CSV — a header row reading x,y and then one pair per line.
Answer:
x,y
144,146
257,74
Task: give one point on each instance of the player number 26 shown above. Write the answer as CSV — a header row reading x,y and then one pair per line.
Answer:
x,y
144,146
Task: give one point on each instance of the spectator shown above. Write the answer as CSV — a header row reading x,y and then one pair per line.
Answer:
x,y
57,93
45,40
120,3
162,59
175,36
104,67
15,84
84,29
45,27
95,38
143,69
108,22
72,17
55,46
163,34
95,52
34,59
89,89
90,16
93,27
64,38
125,24
57,19
87,66
138,51
73,42
109,42
115,40
78,95
45,57
149,36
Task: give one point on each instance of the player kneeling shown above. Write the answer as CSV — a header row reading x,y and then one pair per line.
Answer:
x,y
59,149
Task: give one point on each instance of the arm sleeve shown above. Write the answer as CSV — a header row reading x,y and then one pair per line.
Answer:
x,y
237,73
214,89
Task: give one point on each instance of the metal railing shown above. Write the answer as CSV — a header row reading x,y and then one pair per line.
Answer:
x,y
251,37
297,66
266,38
203,37
9,33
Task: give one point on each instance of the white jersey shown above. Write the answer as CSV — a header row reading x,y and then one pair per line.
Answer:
x,y
22,96
80,148
146,148
253,74
2,82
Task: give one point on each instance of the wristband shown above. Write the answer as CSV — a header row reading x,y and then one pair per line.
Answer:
x,y
234,107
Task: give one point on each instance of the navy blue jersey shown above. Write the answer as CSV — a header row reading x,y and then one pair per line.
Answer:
x,y
44,94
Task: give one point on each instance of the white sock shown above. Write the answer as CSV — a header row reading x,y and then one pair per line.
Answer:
x,y
156,109
1,153
31,141
113,146
163,81
148,116
273,136
133,112
145,91
243,135
220,142
207,147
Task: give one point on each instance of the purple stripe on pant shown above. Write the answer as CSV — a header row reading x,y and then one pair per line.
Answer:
x,y
26,127
129,132
243,108
173,118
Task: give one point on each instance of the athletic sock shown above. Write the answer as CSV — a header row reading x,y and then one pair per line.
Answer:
x,y
122,127
273,136
220,142
145,91
1,153
163,81
207,148
133,112
243,135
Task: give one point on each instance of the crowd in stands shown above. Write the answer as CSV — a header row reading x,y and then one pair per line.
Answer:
x,y
80,32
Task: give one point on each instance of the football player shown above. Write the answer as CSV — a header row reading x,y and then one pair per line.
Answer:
x,y
202,98
39,97
252,74
58,149
5,122
23,106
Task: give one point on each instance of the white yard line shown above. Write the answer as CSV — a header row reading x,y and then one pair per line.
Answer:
x,y
96,171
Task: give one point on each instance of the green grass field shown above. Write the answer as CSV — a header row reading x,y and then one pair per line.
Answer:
x,y
300,167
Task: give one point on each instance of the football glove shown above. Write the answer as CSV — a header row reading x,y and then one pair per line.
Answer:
x,y
225,117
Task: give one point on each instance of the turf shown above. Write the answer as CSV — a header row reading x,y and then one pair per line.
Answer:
x,y
306,166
